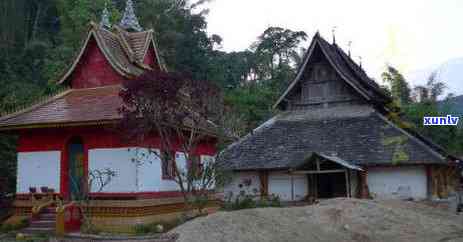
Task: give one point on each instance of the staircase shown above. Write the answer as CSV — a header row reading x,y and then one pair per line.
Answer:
x,y
44,224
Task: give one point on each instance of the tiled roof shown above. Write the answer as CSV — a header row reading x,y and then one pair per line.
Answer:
x,y
124,50
77,107
357,134
138,42
73,106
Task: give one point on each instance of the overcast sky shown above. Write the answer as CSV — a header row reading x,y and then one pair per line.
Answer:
x,y
409,34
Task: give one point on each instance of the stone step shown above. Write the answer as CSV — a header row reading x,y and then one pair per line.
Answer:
x,y
43,224
34,230
49,210
47,216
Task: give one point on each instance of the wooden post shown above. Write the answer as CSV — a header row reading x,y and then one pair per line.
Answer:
x,y
429,181
364,191
292,187
263,177
347,183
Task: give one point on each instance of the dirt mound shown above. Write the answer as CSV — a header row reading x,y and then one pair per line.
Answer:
x,y
330,220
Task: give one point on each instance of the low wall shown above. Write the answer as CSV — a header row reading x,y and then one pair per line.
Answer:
x,y
123,215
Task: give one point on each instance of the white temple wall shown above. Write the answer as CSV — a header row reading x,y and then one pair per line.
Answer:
x,y
247,183
288,187
37,169
398,182
119,161
150,172
137,170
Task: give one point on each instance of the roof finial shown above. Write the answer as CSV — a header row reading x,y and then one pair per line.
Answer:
x,y
105,17
130,20
350,47
333,31
360,61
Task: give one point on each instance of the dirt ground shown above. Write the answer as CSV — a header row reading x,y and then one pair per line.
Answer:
x,y
331,220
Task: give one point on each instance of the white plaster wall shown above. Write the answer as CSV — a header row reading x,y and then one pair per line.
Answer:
x,y
150,172
137,169
119,161
236,185
398,182
280,184
36,169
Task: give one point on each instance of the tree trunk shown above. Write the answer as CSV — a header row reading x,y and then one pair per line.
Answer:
x,y
38,13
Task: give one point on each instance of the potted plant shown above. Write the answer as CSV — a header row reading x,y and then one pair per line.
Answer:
x,y
32,190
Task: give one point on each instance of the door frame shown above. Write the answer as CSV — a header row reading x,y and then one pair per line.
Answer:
x,y
65,166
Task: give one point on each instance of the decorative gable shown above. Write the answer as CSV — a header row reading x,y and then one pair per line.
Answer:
x,y
107,57
94,70
320,85
151,58
329,77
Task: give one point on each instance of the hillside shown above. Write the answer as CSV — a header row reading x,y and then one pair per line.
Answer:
x,y
453,106
450,72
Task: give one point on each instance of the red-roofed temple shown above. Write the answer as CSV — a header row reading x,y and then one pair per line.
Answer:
x,y
72,133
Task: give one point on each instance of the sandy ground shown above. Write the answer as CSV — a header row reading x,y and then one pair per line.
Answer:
x,y
330,220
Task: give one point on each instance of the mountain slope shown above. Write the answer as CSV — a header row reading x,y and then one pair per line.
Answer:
x,y
450,72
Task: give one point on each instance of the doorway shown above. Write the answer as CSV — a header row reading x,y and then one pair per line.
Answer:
x,y
76,156
331,185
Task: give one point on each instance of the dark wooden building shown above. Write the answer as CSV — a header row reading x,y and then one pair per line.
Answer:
x,y
334,137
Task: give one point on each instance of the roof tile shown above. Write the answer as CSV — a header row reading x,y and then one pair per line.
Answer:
x,y
76,106
357,134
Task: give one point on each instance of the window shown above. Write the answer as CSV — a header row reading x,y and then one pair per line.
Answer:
x,y
168,164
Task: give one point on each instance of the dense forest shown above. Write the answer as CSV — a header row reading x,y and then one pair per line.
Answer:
x,y
38,39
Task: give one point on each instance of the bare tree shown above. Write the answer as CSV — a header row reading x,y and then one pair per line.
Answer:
x,y
432,90
98,179
183,113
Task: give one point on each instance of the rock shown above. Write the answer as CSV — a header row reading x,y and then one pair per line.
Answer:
x,y
20,236
346,227
159,228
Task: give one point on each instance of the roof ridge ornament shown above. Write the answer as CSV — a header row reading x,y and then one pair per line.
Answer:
x,y
333,32
105,17
130,20
350,46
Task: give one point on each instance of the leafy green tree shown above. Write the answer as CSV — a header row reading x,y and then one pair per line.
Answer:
x,y
275,48
180,30
399,88
427,104
253,102
262,73
74,17
432,90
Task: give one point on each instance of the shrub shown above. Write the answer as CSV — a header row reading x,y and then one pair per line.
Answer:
x,y
248,201
5,228
142,228
274,201
240,202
